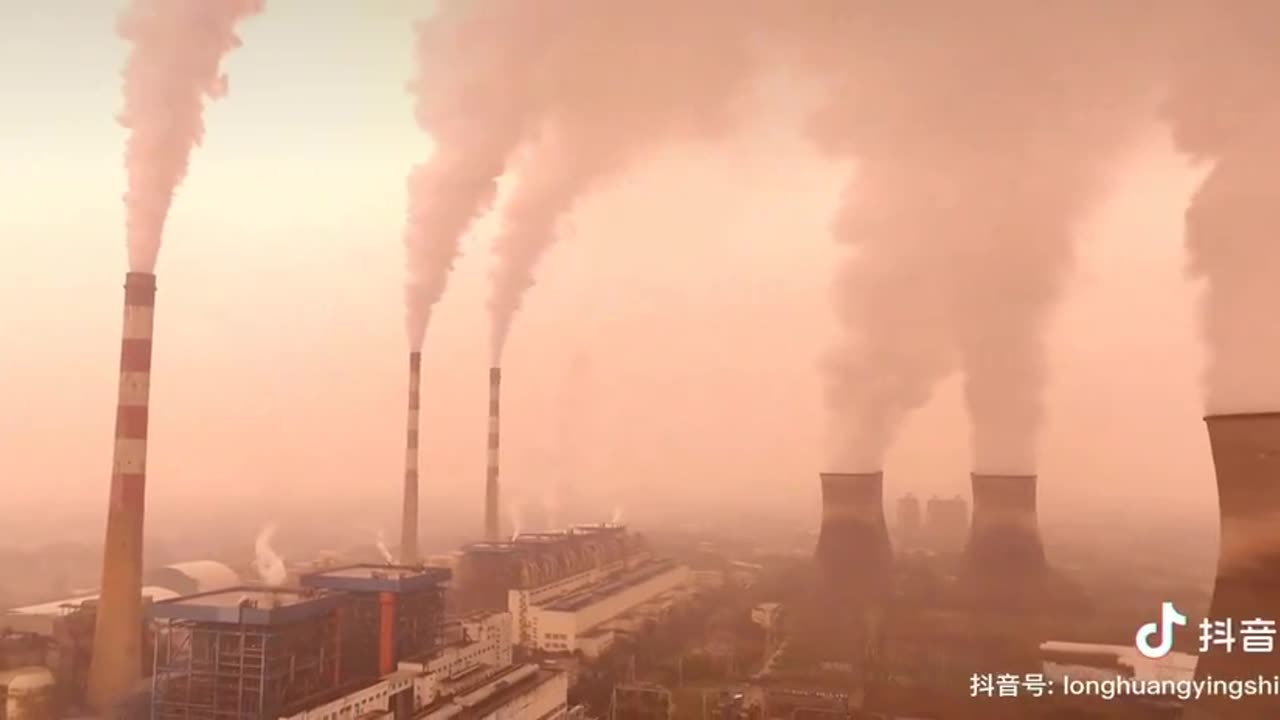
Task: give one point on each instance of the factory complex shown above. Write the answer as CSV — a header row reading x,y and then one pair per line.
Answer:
x,y
357,641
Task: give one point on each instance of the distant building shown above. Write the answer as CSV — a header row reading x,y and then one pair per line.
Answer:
x,y
909,521
946,524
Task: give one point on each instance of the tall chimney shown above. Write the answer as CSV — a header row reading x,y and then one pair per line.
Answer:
x,y
491,465
116,666
409,519
853,544
1246,459
1004,536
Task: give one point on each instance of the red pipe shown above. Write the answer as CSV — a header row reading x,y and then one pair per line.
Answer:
x,y
387,634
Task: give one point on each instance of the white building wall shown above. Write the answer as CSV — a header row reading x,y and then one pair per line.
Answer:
x,y
490,645
371,699
558,630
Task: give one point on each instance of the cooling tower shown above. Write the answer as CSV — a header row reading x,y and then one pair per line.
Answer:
x,y
1246,459
116,667
853,544
409,519
1004,535
491,463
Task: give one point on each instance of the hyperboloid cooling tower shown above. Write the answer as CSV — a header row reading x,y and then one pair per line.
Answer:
x,y
117,642
1004,535
1246,460
853,544
409,518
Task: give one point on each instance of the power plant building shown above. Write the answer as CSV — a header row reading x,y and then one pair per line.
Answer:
x,y
554,619
561,588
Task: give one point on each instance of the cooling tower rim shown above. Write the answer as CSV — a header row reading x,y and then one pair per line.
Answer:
x,y
1003,476
843,475
1259,415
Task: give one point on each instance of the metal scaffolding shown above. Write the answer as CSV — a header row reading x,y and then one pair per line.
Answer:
x,y
267,663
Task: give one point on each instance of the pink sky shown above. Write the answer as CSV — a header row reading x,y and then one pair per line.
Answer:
x,y
696,285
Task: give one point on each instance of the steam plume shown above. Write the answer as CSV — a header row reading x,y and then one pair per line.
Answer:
x,y
178,46
474,103
616,519
1225,108
383,550
511,74
982,133
266,562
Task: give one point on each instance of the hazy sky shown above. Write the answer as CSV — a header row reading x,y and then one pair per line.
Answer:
x,y
695,289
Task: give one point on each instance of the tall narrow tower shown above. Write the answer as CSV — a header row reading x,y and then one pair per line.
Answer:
x,y
491,466
116,667
409,519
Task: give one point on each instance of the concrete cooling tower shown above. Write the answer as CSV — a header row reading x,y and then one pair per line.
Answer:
x,y
1246,460
1004,535
853,544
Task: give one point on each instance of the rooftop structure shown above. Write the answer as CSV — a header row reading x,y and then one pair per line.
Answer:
x,y
377,578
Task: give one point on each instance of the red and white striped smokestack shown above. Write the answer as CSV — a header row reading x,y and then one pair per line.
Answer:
x,y
1246,460
853,544
409,517
491,466
1004,534
116,666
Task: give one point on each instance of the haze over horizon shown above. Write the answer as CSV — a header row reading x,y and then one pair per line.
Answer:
x,y
696,284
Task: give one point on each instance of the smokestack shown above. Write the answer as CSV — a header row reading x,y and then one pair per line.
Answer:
x,y
491,466
409,520
854,541
116,667
1004,535
387,634
1246,460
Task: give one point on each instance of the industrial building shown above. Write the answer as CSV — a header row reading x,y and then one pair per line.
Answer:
x,y
563,621
57,636
564,590
359,641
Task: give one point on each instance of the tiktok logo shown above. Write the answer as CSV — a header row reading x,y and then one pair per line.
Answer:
x,y
1169,616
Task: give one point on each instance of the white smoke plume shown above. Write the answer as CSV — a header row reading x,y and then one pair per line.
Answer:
x,y
616,519
266,562
383,550
174,66
474,103
1225,108
982,134
584,86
